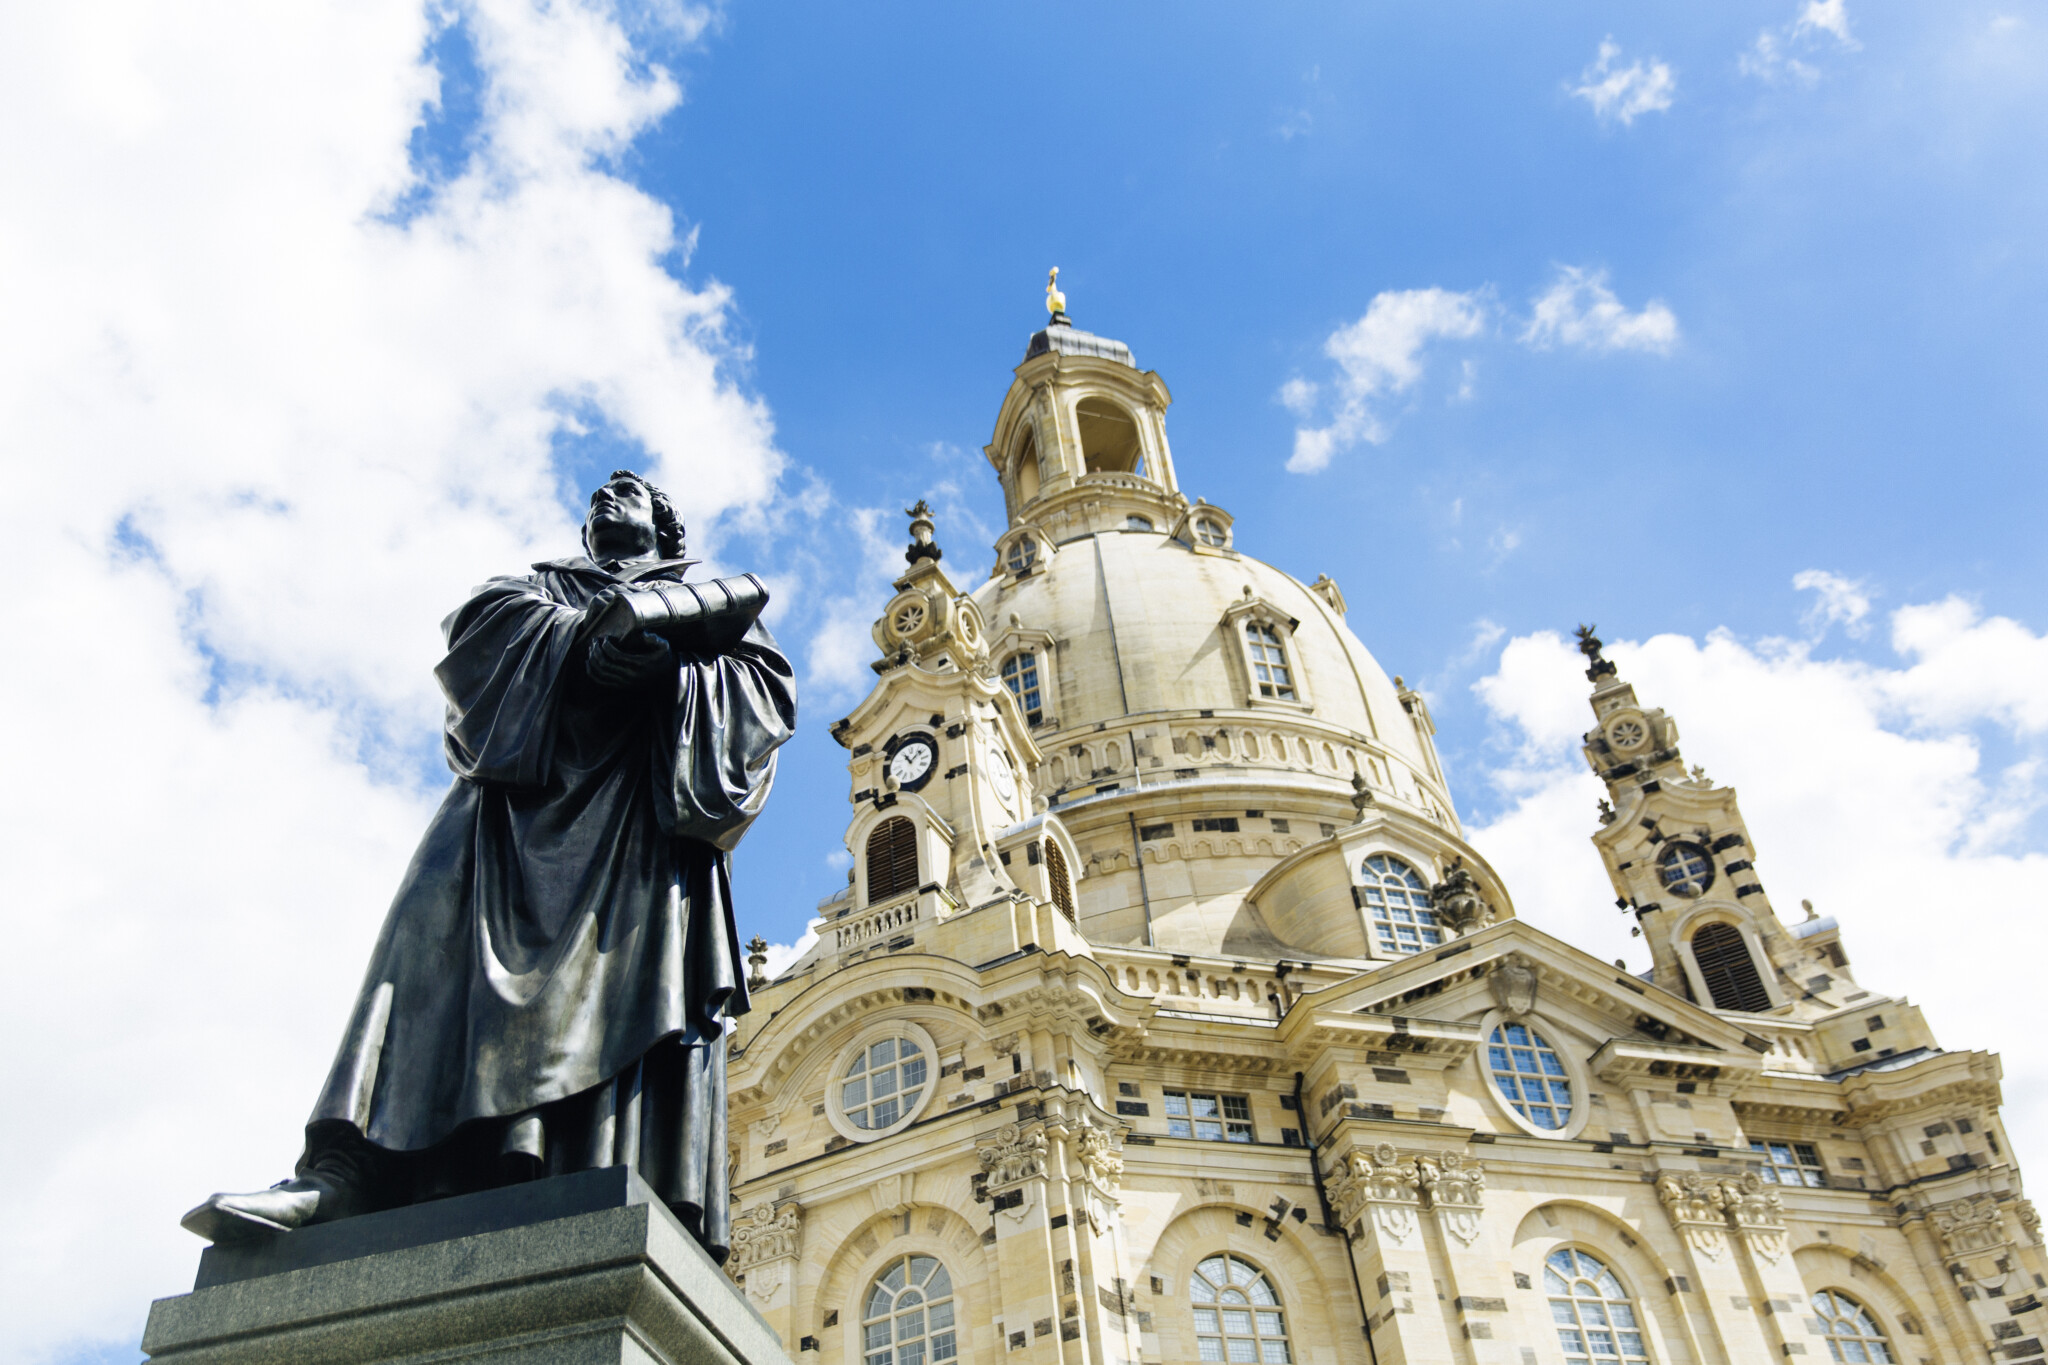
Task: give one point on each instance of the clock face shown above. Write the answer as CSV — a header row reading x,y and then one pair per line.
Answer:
x,y
1001,774
912,762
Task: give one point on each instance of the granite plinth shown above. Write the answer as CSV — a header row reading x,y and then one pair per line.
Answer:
x,y
570,1271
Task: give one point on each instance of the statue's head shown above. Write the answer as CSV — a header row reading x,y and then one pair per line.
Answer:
x,y
630,516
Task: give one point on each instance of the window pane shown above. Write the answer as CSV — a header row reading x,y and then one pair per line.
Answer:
x,y
1211,1347
921,1267
941,1315
1205,1320
882,1083
884,1113
853,1094
1176,1103
942,1346
1269,1325
1178,1128
913,1072
883,1053
1205,1106
1243,1349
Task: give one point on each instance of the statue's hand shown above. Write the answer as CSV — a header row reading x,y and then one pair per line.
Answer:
x,y
629,661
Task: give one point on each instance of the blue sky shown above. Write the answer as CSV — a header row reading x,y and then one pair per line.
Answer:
x,y
1722,326
1852,258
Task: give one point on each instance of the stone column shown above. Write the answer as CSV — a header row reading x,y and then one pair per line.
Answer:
x,y
1377,1191
1475,1274
1695,1204
1757,1216
1016,1169
766,1241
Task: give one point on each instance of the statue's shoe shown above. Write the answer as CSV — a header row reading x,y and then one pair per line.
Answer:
x,y
230,1218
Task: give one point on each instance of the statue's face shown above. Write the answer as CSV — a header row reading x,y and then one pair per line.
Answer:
x,y
621,520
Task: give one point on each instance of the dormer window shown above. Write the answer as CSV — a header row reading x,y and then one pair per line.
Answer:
x,y
1020,675
1210,532
1023,555
1271,673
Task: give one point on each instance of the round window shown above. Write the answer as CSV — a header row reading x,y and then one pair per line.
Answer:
x,y
1627,732
1686,869
1023,554
1530,1076
884,1083
1209,531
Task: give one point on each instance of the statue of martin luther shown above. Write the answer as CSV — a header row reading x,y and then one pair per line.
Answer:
x,y
549,990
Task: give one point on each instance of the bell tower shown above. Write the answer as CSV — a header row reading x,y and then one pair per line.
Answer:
x,y
1080,442
940,762
1680,857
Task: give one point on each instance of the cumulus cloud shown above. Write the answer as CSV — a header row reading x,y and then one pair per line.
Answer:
x,y
1619,94
1866,788
1837,601
1378,356
1578,309
276,396
1775,56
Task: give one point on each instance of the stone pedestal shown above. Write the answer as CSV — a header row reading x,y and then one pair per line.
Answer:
x,y
570,1271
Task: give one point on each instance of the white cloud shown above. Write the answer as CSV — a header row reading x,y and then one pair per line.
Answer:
x,y
1379,355
1825,16
264,432
1578,309
1865,789
1619,94
1837,601
1819,25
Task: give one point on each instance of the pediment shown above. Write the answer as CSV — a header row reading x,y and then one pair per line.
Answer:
x,y
1634,1022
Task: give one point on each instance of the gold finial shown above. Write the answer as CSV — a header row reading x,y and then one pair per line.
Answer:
x,y
1055,301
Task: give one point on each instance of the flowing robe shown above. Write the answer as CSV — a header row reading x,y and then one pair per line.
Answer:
x,y
553,977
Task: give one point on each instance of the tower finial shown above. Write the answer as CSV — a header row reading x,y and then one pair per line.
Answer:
x,y
1589,645
922,546
1055,301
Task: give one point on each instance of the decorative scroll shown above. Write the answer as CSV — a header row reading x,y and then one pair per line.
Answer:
x,y
765,1243
1968,1227
1016,1154
1383,1180
1455,1186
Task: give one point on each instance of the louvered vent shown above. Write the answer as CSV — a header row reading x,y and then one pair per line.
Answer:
x,y
1062,884
892,859
1728,969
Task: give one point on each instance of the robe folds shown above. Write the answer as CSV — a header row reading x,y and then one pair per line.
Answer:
x,y
549,990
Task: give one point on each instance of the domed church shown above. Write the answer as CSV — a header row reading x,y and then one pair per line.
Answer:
x,y
1167,1016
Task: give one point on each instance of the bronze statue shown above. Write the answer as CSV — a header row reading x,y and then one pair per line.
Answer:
x,y
550,989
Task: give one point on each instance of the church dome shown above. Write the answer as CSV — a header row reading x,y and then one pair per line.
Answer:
x,y
1210,731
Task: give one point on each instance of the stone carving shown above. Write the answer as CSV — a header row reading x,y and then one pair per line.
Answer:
x,y
1100,1160
1694,1204
2030,1221
1016,1154
1455,1186
1513,983
1968,1227
1704,1207
765,1233
1753,1206
764,1282
1457,901
1381,1179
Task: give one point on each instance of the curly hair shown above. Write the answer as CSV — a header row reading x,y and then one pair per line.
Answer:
x,y
668,527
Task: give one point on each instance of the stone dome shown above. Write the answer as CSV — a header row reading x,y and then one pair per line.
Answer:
x,y
1214,737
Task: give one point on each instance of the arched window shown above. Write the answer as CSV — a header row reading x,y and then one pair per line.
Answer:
x,y
1109,438
1269,664
883,1083
1027,469
908,1319
1020,675
1853,1335
1595,1318
1530,1074
1209,531
1056,875
1237,1315
1398,901
1134,522
1728,969
1023,554
1685,868
892,859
